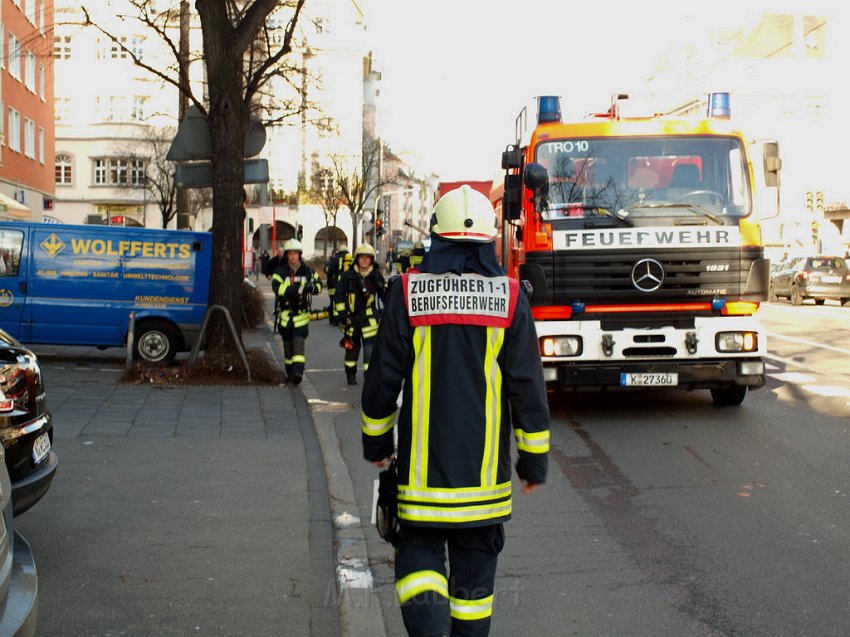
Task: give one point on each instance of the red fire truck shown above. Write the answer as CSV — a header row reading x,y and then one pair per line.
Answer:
x,y
642,247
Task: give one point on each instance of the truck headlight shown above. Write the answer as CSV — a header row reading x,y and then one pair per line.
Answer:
x,y
737,342
560,345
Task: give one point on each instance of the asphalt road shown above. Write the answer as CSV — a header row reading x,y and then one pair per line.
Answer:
x,y
663,514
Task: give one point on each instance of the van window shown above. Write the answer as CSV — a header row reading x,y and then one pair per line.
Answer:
x,y
11,243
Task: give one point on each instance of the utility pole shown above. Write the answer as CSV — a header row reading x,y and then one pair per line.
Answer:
x,y
183,215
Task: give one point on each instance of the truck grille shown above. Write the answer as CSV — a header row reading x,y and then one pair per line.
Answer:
x,y
606,277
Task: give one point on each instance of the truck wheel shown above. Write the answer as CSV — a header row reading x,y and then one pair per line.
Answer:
x,y
796,297
156,342
845,300
819,301
729,396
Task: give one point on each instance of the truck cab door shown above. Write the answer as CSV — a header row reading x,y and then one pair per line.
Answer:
x,y
13,281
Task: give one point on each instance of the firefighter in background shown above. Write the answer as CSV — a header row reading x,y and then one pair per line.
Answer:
x,y
458,340
417,255
294,282
358,292
334,268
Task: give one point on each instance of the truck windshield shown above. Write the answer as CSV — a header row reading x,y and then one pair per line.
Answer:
x,y
650,176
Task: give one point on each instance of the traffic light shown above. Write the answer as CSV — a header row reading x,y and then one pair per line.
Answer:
x,y
299,233
819,200
815,232
379,224
810,203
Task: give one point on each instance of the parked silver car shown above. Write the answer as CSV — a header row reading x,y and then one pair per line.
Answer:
x,y
818,278
18,575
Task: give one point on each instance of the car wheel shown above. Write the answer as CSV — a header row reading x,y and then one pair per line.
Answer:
x,y
819,301
796,297
772,295
729,396
156,342
845,300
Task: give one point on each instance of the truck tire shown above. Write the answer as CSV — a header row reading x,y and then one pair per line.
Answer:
x,y
819,301
156,342
729,396
796,297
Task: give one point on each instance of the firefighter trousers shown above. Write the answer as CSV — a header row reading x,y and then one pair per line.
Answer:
x,y
458,602
351,355
294,347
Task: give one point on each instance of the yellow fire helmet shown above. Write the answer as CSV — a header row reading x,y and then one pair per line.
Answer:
x,y
419,245
292,244
365,248
464,214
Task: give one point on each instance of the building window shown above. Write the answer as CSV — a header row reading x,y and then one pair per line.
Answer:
x,y
2,46
41,16
119,171
29,70
118,49
29,138
100,171
14,130
41,81
29,10
137,47
14,57
62,47
41,144
64,169
137,109
62,108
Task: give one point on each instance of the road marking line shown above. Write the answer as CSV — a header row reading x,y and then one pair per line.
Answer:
x,y
828,390
794,377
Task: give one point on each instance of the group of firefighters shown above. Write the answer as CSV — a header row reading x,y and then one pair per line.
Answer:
x,y
469,378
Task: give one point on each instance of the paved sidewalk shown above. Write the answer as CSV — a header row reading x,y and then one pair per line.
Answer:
x,y
179,510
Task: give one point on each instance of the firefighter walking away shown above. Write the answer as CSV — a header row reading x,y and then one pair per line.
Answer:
x,y
359,291
457,340
294,283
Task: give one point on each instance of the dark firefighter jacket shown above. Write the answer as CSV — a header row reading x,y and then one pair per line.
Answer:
x,y
293,290
463,349
355,301
334,268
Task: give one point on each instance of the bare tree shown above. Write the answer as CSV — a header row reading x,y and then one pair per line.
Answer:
x,y
359,182
242,51
328,194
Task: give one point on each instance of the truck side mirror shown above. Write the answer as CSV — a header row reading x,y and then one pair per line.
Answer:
x,y
535,177
772,163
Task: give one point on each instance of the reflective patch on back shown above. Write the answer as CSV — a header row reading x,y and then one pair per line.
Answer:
x,y
466,299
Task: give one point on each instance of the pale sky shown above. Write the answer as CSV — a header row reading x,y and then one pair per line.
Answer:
x,y
457,72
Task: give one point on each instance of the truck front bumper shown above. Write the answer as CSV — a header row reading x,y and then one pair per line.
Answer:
x,y
703,374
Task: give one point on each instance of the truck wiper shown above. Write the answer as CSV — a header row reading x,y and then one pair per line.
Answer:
x,y
691,207
602,216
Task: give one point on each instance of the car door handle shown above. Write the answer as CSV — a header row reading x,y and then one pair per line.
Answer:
x,y
22,285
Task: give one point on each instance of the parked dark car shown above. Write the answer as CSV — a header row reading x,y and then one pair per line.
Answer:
x,y
18,575
26,426
818,278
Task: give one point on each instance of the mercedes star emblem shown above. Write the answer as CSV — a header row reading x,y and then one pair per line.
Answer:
x,y
647,275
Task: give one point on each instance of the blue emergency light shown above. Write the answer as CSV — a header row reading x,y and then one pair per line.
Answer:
x,y
548,109
718,105
718,304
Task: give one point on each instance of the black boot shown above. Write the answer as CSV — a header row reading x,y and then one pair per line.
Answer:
x,y
295,379
351,376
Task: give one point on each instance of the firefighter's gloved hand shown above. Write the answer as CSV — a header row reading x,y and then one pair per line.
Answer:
x,y
309,288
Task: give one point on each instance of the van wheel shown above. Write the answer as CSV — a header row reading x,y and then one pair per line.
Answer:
x,y
156,342
729,396
796,297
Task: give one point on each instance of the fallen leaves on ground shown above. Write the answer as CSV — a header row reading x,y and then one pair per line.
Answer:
x,y
209,369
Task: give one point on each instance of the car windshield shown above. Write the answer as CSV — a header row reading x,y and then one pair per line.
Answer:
x,y
652,176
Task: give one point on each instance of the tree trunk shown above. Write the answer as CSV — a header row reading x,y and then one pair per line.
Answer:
x,y
228,122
